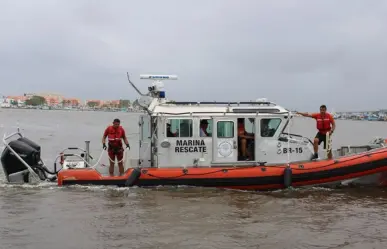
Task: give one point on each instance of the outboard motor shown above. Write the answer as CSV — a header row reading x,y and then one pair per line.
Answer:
x,y
27,152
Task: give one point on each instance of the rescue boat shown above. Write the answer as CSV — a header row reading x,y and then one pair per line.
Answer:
x,y
200,144
260,177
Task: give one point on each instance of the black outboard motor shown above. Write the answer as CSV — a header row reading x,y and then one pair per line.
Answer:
x,y
14,169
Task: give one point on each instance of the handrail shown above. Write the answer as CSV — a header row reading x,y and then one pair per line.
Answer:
x,y
11,135
221,103
77,148
296,135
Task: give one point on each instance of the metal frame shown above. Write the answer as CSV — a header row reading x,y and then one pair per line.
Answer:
x,y
86,157
5,138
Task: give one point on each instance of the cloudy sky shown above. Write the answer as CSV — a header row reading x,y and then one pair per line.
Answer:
x,y
298,53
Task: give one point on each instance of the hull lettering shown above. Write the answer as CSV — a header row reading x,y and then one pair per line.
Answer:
x,y
190,146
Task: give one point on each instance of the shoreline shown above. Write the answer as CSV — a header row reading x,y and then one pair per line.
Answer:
x,y
132,110
128,110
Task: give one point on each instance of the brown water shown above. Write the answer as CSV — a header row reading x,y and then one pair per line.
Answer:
x,y
46,216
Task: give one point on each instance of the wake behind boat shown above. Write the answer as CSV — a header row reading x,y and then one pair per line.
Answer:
x,y
201,144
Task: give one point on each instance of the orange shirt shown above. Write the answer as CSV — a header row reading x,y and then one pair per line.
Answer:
x,y
323,122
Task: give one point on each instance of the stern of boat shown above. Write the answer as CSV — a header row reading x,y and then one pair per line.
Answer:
x,y
377,179
21,160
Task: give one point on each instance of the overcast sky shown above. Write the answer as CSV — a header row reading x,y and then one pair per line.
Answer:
x,y
299,54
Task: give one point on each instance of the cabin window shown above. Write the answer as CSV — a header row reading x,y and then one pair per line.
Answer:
x,y
269,126
225,129
179,128
205,128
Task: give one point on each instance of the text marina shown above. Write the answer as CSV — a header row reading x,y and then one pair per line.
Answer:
x,y
190,146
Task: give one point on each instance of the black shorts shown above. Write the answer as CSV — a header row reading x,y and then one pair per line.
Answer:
x,y
322,138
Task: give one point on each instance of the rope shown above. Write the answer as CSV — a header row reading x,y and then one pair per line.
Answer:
x,y
123,157
88,164
99,159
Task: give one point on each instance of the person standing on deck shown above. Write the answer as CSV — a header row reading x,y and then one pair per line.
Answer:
x,y
325,124
115,133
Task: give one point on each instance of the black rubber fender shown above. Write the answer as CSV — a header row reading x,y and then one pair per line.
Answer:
x,y
288,177
133,177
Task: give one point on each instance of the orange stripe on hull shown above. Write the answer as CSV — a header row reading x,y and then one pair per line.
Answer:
x,y
244,178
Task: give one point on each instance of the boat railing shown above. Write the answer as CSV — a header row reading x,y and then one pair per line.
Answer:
x,y
284,136
83,156
228,103
84,153
376,143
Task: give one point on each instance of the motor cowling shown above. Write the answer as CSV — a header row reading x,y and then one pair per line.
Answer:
x,y
27,150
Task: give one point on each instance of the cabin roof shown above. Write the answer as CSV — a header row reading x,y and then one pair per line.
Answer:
x,y
221,108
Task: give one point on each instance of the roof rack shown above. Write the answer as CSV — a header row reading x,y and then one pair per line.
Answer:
x,y
221,103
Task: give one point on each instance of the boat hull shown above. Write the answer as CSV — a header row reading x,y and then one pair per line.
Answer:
x,y
268,177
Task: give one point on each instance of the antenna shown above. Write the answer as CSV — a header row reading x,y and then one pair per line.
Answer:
x,y
156,77
135,88
157,88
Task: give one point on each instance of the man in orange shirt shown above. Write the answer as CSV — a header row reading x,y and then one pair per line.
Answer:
x,y
325,124
115,133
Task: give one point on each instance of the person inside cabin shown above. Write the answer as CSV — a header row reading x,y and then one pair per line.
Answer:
x,y
115,133
169,132
265,129
203,128
325,124
244,139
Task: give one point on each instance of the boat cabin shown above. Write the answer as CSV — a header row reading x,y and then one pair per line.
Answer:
x,y
210,134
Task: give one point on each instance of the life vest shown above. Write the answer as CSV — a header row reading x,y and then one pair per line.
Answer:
x,y
114,136
323,122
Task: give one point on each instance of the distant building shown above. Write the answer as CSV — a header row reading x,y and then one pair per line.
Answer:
x,y
71,102
57,101
52,99
111,103
94,102
15,100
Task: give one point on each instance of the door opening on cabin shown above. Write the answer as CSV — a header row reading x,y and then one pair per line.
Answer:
x,y
246,139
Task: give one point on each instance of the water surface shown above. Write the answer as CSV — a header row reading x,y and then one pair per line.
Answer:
x,y
46,216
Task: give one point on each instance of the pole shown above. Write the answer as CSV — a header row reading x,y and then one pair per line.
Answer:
x,y
87,158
